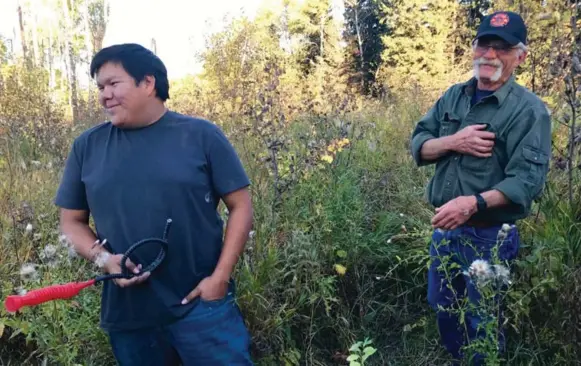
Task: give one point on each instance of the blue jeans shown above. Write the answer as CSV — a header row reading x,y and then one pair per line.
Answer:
x,y
213,333
456,250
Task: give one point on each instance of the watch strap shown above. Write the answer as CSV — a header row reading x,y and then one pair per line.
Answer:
x,y
480,202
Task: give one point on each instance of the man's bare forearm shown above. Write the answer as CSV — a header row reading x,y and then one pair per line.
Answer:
x,y
495,198
82,237
237,229
433,149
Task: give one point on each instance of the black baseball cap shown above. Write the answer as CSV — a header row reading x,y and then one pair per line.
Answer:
x,y
504,24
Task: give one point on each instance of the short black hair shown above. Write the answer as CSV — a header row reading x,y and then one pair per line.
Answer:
x,y
137,61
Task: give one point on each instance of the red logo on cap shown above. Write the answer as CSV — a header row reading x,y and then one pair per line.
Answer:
x,y
499,20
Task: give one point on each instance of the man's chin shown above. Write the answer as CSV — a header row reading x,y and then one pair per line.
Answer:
x,y
117,122
486,78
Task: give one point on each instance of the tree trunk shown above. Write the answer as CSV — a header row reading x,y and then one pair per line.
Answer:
x,y
51,69
99,14
285,34
89,45
322,34
360,43
573,104
69,54
35,49
22,34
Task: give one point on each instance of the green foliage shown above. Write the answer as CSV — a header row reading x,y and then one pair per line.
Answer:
x,y
417,48
30,116
311,23
33,255
475,10
361,351
363,32
3,51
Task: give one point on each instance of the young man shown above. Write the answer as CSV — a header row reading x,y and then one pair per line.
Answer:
x,y
490,139
132,173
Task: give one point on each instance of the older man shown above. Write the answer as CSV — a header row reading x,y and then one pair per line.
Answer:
x,y
490,139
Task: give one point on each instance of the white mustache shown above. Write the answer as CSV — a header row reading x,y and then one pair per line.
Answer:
x,y
494,63
482,61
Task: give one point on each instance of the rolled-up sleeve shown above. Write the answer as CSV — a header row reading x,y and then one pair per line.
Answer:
x,y
427,128
529,146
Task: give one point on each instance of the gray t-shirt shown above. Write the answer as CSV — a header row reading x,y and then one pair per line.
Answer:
x,y
132,181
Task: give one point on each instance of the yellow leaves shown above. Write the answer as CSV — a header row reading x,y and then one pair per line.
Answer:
x,y
1,329
550,101
551,17
327,158
336,146
340,269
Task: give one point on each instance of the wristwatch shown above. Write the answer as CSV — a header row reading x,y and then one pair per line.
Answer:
x,y
480,202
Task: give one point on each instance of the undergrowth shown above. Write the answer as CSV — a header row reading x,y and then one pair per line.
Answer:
x,y
338,254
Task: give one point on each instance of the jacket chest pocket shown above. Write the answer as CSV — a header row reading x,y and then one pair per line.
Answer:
x,y
449,125
482,164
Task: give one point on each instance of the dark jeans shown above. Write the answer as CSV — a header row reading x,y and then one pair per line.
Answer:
x,y
457,249
213,333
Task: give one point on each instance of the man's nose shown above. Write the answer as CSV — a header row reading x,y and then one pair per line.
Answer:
x,y
106,93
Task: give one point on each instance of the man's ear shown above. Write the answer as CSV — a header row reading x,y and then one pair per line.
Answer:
x,y
522,57
149,84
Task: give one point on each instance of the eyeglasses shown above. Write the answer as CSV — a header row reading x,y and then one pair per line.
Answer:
x,y
499,48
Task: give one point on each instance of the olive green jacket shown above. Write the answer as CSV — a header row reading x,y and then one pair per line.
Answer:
x,y
521,154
